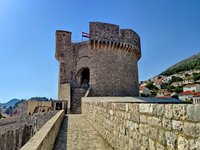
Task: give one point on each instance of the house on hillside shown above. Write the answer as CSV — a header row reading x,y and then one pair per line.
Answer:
x,y
179,83
162,93
144,91
192,87
188,81
196,98
198,81
186,95
166,79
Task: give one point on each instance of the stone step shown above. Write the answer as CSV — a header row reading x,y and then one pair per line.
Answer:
x,y
77,94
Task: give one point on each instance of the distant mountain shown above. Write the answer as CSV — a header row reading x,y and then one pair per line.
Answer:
x,y
190,63
11,102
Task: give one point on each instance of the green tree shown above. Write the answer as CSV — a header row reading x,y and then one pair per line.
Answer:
x,y
170,88
196,76
150,86
179,89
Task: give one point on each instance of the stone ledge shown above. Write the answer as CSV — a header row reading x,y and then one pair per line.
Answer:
x,y
44,139
131,100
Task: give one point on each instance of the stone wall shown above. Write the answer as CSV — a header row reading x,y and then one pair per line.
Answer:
x,y
146,126
16,138
113,72
44,139
15,132
64,92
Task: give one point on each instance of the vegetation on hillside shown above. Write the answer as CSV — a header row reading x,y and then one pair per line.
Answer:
x,y
196,76
190,63
152,88
39,98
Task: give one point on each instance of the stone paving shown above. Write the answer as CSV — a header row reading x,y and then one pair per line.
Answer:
x,y
76,133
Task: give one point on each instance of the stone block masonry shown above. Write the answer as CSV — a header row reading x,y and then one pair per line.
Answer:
x,y
15,132
44,139
146,126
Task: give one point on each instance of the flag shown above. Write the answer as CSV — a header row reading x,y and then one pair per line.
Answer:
x,y
84,34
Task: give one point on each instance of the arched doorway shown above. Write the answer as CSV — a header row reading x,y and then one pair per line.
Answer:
x,y
83,78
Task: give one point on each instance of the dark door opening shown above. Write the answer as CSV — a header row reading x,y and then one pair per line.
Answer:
x,y
58,105
85,76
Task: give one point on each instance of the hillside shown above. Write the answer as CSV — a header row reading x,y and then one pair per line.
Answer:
x,y
190,63
12,102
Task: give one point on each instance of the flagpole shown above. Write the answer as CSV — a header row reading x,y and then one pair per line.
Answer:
x,y
82,37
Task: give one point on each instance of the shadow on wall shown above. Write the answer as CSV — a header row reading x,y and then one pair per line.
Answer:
x,y
15,139
61,140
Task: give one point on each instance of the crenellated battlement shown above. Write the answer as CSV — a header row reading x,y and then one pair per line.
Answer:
x,y
110,33
101,35
116,45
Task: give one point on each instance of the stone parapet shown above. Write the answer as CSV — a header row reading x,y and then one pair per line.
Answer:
x,y
44,139
144,125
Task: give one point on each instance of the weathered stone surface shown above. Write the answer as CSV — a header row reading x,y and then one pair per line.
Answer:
x,y
169,131
15,132
167,123
179,112
191,129
182,143
159,110
81,135
134,116
151,144
177,125
159,147
153,132
144,129
168,111
161,136
154,121
171,139
146,108
145,141
193,112
194,144
143,118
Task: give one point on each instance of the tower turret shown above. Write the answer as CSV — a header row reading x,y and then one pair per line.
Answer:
x,y
63,43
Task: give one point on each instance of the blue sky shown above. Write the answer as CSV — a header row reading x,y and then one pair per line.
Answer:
x,y
169,31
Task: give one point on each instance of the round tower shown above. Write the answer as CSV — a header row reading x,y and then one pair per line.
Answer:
x,y
105,65
113,60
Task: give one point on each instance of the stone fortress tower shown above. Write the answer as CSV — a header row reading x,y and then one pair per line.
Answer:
x,y
105,65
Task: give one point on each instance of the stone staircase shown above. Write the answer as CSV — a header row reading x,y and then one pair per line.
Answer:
x,y
77,94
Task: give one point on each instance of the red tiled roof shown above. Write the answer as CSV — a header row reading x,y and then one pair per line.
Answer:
x,y
197,95
188,93
162,97
189,85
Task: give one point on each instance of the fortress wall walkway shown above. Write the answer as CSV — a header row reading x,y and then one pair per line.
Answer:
x,y
78,134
